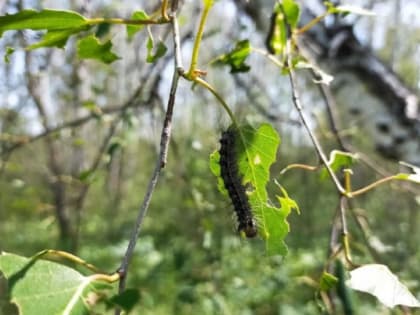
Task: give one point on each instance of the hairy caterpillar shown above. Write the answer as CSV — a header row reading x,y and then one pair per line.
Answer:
x,y
233,183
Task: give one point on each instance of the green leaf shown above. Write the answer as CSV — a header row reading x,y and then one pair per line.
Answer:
x,y
56,38
42,20
9,52
327,282
86,175
255,152
339,159
125,300
91,48
102,30
215,169
160,50
133,29
45,287
292,11
277,38
236,58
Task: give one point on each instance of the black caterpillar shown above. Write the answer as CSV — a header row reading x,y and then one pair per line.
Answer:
x,y
233,183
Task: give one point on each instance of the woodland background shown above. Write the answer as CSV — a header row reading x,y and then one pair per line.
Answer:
x,y
79,140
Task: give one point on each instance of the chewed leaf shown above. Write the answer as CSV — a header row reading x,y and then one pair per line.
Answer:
x,y
254,152
45,287
379,281
91,48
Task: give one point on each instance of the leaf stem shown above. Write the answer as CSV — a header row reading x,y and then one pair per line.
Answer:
x,y
51,254
301,166
312,23
163,8
345,239
125,21
373,185
218,97
347,180
270,57
194,57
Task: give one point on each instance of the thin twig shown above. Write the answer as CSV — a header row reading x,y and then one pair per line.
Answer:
x,y
160,163
331,106
94,166
296,102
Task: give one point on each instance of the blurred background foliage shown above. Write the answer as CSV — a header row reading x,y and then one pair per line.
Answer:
x,y
189,259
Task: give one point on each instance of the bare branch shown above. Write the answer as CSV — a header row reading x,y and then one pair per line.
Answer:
x,y
160,163
298,106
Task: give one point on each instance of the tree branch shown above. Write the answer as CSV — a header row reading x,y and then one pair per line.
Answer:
x,y
298,106
160,163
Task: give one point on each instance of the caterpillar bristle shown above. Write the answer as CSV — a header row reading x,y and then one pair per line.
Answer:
x,y
233,183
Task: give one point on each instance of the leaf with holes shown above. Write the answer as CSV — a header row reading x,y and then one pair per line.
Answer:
x,y
44,287
255,151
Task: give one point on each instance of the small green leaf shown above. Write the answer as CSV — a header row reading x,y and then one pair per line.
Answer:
x,y
102,30
9,52
91,48
292,11
236,58
86,175
42,20
125,300
133,29
327,282
339,159
45,287
160,50
278,32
